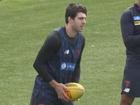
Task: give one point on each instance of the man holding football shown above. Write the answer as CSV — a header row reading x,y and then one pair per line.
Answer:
x,y
58,61
130,26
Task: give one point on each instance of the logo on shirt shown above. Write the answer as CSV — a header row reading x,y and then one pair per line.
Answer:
x,y
136,20
63,66
127,83
67,52
127,90
68,66
136,17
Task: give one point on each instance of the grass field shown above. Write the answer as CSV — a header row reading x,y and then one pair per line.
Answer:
x,y
24,25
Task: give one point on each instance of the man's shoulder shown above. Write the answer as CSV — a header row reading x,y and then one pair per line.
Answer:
x,y
81,35
127,11
56,32
58,29
54,35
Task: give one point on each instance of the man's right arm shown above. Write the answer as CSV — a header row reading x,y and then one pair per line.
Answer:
x,y
48,50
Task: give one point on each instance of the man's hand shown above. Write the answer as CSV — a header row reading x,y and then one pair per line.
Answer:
x,y
61,90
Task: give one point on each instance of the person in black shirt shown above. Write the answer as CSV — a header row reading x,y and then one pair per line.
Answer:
x,y
58,61
130,27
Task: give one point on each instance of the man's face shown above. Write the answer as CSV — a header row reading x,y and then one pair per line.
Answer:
x,y
138,1
78,22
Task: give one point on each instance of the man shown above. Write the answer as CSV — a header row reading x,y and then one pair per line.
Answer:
x,y
58,61
130,26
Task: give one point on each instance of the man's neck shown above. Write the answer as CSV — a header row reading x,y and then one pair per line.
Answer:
x,y
138,4
70,32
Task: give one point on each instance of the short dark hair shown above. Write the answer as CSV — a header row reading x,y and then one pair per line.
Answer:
x,y
73,9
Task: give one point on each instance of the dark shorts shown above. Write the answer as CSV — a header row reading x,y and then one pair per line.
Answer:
x,y
43,94
131,79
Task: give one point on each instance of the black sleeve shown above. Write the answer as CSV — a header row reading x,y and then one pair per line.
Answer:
x,y
127,28
49,48
76,75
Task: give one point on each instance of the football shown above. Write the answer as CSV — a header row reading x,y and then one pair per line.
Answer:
x,y
75,90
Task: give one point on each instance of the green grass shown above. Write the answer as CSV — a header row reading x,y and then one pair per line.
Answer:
x,y
24,25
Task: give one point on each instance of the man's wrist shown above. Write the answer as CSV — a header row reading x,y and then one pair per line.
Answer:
x,y
53,83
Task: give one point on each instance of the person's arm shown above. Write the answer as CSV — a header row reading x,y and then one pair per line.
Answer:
x,y
127,28
49,48
76,75
61,90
